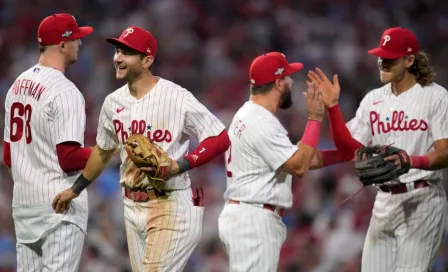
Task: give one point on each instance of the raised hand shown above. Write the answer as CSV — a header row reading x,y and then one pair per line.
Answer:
x,y
330,90
314,103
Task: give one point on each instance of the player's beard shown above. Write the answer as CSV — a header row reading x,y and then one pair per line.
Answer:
x,y
286,99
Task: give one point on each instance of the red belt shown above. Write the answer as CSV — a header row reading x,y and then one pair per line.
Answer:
x,y
270,207
143,196
402,188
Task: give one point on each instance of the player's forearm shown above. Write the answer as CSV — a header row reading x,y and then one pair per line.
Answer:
x,y
98,160
435,160
95,166
342,137
305,154
307,147
323,158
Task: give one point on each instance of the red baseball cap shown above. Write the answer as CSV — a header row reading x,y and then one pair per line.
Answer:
x,y
138,39
271,66
61,27
395,43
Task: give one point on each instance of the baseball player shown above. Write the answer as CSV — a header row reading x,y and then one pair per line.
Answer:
x,y
43,148
409,112
260,163
164,227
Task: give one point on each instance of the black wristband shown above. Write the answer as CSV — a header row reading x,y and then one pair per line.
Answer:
x,y
80,184
184,165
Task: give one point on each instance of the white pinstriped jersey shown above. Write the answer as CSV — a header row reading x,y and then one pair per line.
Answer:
x,y
411,121
259,147
43,109
168,115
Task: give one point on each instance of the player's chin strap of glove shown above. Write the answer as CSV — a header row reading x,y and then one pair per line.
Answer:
x,y
372,169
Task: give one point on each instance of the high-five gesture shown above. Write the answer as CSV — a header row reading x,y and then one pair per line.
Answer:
x,y
330,91
314,105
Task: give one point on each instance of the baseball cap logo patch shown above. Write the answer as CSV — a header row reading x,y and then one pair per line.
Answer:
x,y
128,31
279,71
386,39
66,34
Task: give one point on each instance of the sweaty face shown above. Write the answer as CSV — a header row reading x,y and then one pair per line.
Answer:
x,y
391,70
128,63
286,97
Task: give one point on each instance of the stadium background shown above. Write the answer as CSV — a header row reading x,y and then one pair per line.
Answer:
x,y
207,46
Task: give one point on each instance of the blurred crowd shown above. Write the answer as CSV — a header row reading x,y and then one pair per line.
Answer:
x,y
207,46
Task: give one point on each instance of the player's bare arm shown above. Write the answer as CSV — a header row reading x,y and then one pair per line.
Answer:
x,y
95,166
434,160
300,162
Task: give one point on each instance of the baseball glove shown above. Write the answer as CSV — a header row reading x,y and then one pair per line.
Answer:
x,y
143,153
372,169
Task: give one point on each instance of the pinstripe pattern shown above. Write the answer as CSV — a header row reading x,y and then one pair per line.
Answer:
x,y
168,114
428,104
260,145
162,233
252,236
60,250
406,229
251,249
57,116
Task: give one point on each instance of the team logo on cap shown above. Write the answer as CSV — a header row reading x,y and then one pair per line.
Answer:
x,y
128,31
66,34
386,39
279,71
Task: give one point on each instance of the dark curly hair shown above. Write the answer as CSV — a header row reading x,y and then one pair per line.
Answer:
x,y
421,69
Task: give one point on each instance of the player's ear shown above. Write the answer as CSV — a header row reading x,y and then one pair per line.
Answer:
x,y
62,46
410,60
278,83
148,61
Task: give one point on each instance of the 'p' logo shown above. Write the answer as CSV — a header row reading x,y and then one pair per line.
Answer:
x,y
128,31
386,39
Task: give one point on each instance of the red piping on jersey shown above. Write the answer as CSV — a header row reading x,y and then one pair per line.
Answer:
x,y
72,157
341,135
7,154
208,149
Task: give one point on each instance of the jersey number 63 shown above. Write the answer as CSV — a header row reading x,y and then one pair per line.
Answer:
x,y
20,121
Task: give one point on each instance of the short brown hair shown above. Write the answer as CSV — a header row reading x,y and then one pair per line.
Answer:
x,y
262,89
423,73
42,49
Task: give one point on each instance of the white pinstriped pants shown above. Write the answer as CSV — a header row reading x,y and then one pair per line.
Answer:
x,y
252,237
162,233
405,231
60,251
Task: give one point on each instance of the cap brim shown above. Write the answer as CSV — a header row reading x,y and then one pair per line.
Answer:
x,y
84,31
380,52
294,68
116,42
